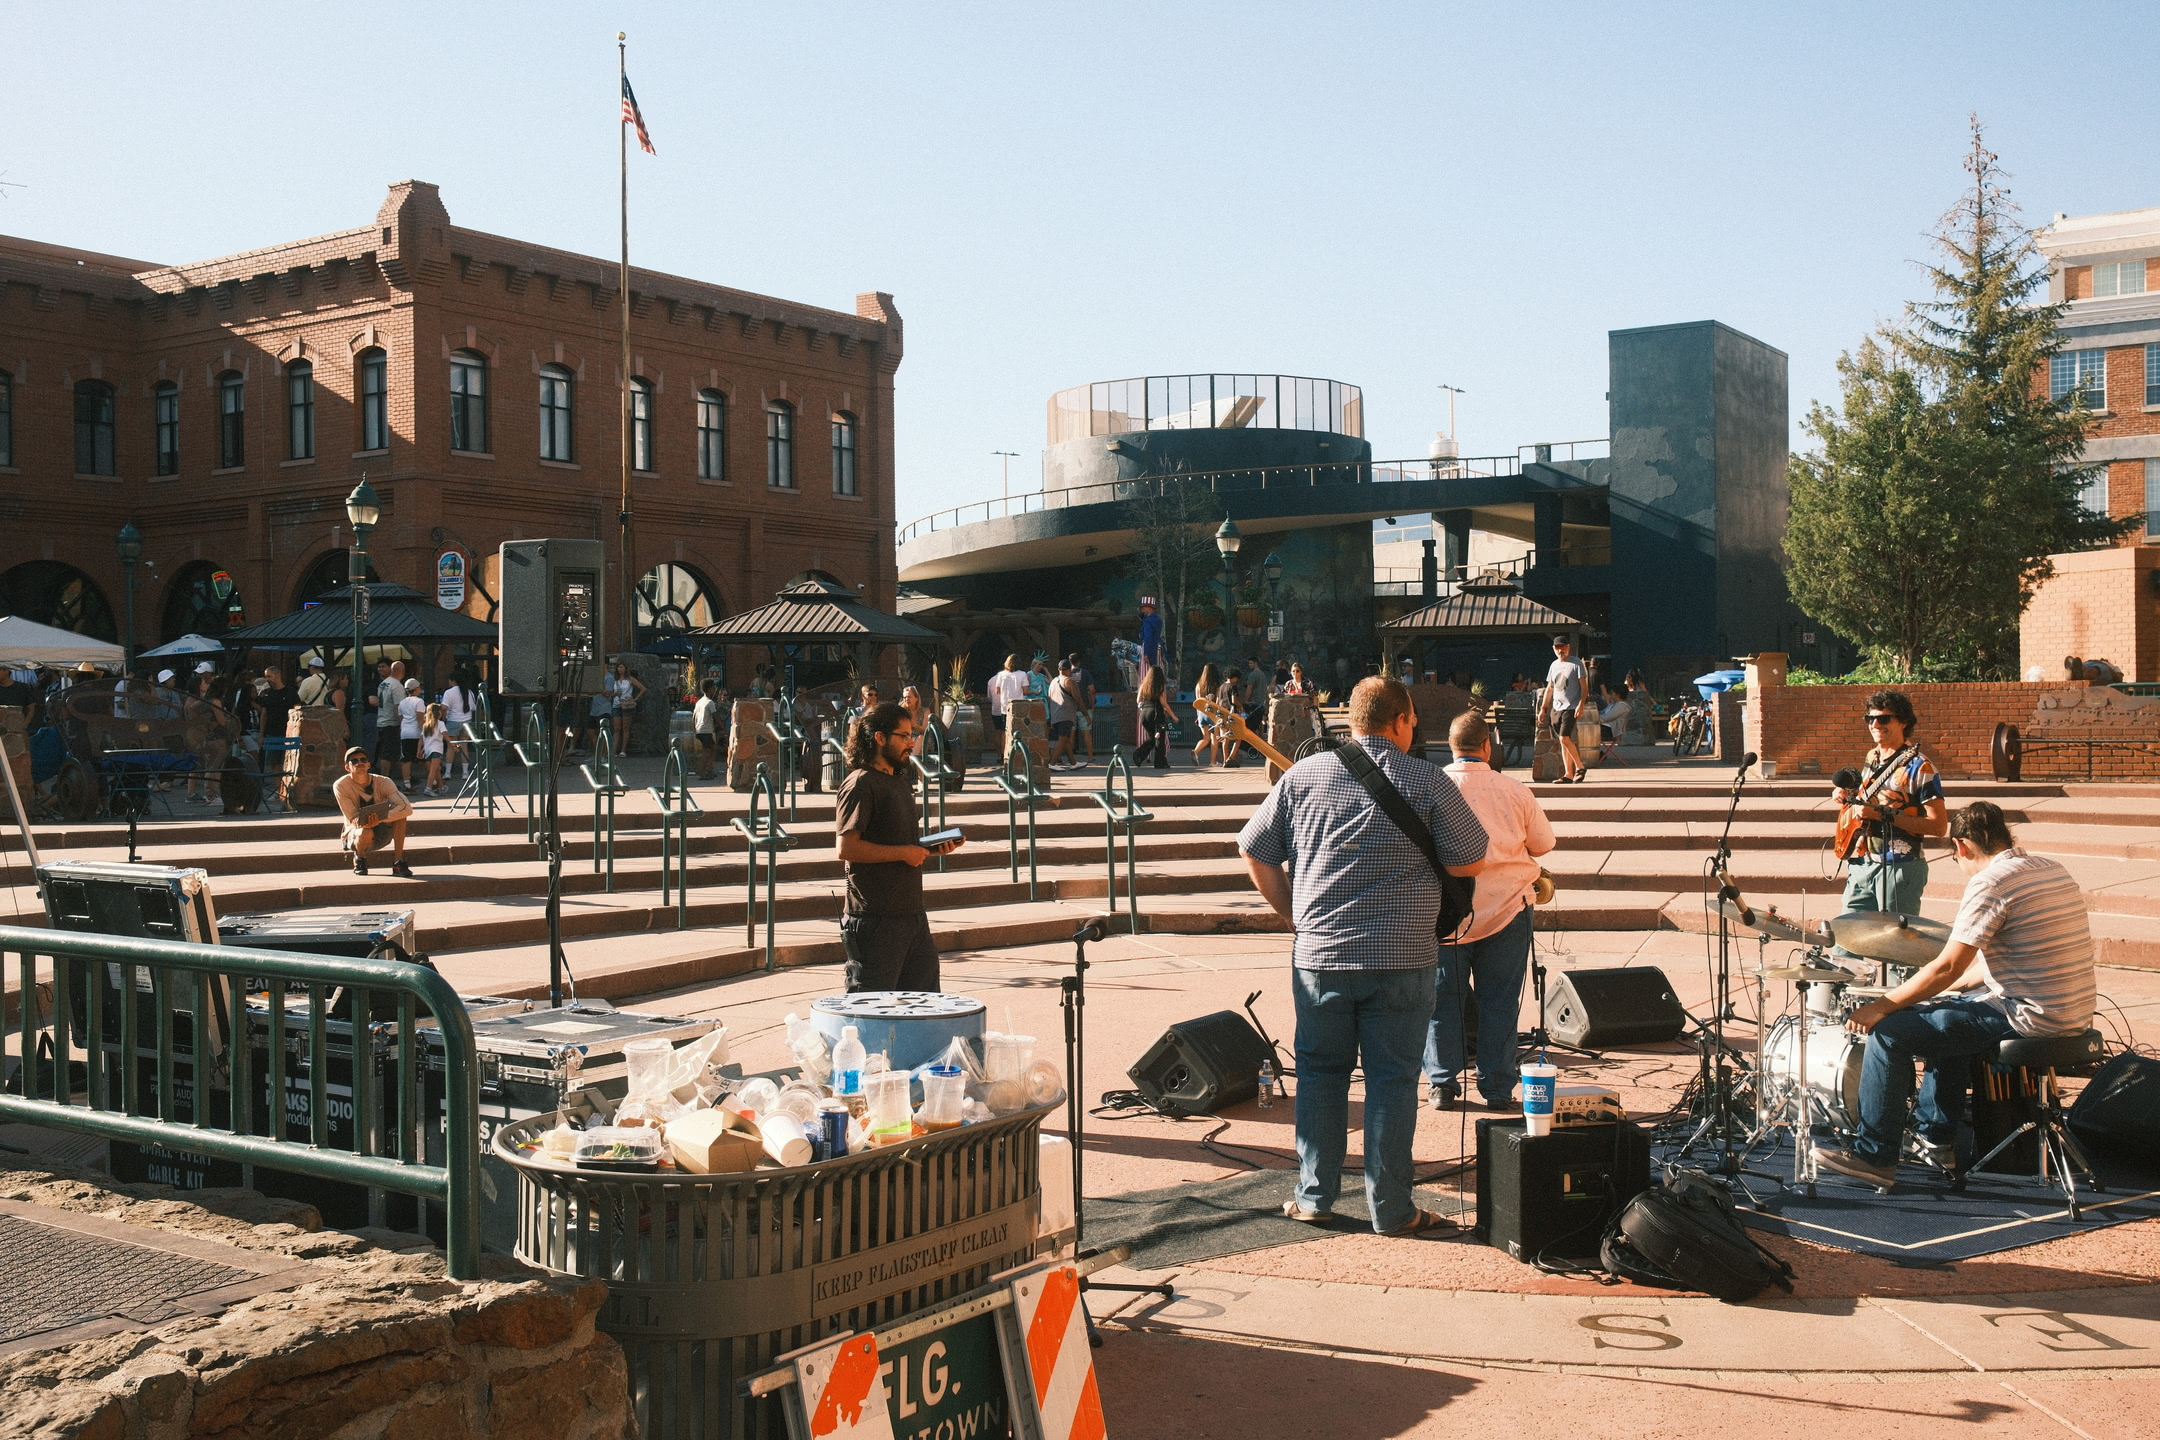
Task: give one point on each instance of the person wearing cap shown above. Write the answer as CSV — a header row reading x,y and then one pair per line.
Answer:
x,y
1566,685
372,805
1150,635
411,711
314,687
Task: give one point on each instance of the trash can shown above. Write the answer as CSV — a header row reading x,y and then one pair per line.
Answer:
x,y
710,1277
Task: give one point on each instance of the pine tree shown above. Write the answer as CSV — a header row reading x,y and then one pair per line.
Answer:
x,y
1923,523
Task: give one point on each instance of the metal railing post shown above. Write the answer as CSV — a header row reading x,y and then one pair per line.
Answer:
x,y
600,773
537,750
677,805
762,837
934,774
1120,809
481,741
789,736
1017,788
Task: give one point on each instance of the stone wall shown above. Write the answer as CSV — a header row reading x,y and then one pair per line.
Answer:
x,y
379,1344
311,770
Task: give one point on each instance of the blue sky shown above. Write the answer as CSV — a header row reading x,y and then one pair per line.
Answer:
x,y
1397,196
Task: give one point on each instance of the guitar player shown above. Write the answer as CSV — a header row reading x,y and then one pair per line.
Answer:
x,y
1884,809
372,804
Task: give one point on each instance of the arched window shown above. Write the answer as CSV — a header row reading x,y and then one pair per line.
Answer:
x,y
165,404
374,390
711,435
232,420
201,600
555,434
843,453
300,411
7,418
780,445
330,572
672,599
51,593
641,436
468,402
93,428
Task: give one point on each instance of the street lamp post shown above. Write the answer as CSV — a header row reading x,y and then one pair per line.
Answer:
x,y
363,509
1272,569
129,545
1227,540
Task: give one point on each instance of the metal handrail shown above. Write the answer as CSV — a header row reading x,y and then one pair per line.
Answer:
x,y
482,740
790,739
677,805
1016,789
537,753
209,988
1422,470
934,773
767,839
606,782
1120,810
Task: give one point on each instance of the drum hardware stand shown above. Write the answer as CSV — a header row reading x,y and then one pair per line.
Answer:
x,y
1073,1001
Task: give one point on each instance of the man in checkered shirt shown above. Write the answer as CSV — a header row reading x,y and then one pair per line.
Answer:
x,y
1362,902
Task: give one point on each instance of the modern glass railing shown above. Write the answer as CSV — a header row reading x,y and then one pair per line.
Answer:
x,y
1206,402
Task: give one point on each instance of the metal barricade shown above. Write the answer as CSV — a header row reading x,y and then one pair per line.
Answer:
x,y
1120,810
711,1277
536,752
764,837
606,782
1017,788
677,805
929,763
106,991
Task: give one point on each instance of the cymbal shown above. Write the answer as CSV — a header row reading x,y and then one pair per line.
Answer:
x,y
1777,927
1813,975
1899,939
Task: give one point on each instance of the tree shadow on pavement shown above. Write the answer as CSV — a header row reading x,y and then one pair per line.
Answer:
x,y
1195,1389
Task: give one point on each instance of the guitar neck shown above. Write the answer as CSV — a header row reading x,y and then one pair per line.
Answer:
x,y
1235,727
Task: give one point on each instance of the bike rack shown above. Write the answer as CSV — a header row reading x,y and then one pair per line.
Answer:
x,y
537,751
763,837
1017,788
677,805
934,775
606,782
1120,810
790,738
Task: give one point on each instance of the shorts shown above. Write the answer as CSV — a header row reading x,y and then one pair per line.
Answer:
x,y
707,742
409,747
997,723
1083,722
1059,729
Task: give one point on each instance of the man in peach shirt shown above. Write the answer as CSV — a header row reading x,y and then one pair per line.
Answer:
x,y
1494,951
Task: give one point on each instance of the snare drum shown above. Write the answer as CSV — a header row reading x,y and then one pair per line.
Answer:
x,y
1823,1058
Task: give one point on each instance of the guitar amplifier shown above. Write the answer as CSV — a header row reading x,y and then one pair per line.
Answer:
x,y
1552,1196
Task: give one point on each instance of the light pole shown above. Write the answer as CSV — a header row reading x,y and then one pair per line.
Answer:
x,y
1272,569
363,509
129,546
1227,540
1007,456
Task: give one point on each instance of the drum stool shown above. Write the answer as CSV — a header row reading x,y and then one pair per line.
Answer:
x,y
2038,1061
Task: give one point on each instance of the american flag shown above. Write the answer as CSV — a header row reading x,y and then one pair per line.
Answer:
x,y
633,116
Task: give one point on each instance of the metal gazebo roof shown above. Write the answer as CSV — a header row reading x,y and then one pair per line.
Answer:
x,y
814,612
396,613
1479,609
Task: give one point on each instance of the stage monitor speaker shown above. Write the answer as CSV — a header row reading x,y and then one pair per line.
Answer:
x,y
553,617
1200,1065
2118,1112
1551,1196
1595,1009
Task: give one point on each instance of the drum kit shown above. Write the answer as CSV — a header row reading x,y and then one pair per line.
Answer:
x,y
1807,1064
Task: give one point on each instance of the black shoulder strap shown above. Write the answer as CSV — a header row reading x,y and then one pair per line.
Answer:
x,y
1390,801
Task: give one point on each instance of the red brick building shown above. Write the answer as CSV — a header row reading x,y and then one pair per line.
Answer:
x,y
2107,267
228,407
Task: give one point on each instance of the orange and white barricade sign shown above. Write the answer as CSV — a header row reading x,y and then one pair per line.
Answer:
x,y
1049,1369
841,1394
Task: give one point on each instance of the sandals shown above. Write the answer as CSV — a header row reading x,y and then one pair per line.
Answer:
x,y
1421,1222
1293,1211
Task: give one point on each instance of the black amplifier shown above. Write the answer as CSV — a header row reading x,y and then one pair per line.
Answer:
x,y
1551,1196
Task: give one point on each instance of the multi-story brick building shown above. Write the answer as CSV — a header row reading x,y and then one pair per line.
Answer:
x,y
2107,268
228,407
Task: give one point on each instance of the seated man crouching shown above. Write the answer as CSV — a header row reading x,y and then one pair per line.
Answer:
x,y
2026,916
372,804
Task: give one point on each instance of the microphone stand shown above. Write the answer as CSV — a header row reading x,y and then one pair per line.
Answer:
x,y
1073,1000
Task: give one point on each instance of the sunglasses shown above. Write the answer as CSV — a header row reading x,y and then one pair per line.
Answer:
x,y
1880,719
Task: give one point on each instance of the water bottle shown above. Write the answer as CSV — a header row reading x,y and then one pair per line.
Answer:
x,y
848,1060
1267,1084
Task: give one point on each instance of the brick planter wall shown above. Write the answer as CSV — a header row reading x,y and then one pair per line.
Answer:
x,y
1817,729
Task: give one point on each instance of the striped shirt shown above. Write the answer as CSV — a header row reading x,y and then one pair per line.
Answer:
x,y
2026,916
1362,897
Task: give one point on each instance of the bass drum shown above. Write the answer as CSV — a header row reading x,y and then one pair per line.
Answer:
x,y
1824,1060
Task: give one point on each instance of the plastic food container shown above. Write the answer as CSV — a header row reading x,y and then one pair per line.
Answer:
x,y
1007,1057
616,1147
944,1090
889,1112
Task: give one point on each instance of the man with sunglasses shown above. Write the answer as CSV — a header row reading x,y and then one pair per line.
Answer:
x,y
1899,799
885,928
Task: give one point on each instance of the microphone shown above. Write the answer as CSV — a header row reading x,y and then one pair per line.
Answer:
x,y
1730,894
1846,779
1747,759
1092,930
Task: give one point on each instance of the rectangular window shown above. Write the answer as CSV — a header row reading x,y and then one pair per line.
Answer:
x,y
843,455
232,422
93,428
300,412
2152,499
711,436
468,403
2152,374
7,418
779,446
2093,493
168,430
2082,373
555,436
2125,278
374,401
641,437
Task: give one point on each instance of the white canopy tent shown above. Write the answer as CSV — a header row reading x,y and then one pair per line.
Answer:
x,y
24,643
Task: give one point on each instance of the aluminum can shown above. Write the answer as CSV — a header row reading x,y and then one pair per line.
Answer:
x,y
833,1118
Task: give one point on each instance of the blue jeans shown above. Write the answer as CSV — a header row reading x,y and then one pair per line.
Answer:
x,y
1493,968
1869,884
1342,1015
1944,1035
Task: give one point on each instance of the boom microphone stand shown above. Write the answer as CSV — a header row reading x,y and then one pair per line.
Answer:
x,y
1073,1000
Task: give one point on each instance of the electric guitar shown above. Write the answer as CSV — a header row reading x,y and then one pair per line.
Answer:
x,y
1233,725
1853,817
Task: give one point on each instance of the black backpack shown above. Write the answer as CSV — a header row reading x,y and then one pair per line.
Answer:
x,y
1685,1235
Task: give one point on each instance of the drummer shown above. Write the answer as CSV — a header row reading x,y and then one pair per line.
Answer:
x,y
1899,800
2027,914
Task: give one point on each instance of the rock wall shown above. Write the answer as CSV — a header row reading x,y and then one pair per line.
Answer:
x,y
384,1346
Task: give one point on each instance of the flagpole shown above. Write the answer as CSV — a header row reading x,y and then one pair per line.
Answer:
x,y
628,629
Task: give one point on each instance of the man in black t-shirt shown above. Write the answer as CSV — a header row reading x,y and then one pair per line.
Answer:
x,y
886,930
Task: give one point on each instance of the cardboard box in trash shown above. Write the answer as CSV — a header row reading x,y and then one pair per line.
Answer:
x,y
715,1142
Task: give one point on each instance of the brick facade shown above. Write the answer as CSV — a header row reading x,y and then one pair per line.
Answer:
x,y
2099,605
417,288
1818,730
